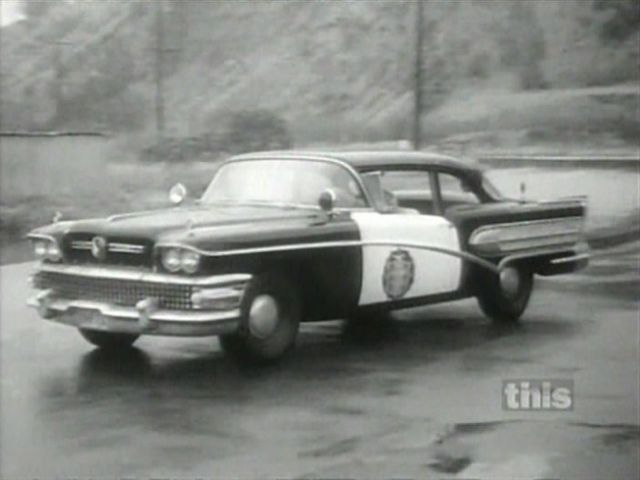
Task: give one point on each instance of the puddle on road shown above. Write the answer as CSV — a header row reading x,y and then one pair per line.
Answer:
x,y
530,449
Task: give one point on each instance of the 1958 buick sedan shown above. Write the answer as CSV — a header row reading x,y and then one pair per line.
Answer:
x,y
283,237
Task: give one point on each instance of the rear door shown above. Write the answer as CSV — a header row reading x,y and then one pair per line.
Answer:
x,y
498,228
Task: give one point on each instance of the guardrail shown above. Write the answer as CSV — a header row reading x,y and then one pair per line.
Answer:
x,y
558,161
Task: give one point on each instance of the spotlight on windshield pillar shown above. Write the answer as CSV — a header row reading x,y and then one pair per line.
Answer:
x,y
327,200
177,194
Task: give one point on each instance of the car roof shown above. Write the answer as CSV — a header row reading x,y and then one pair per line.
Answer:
x,y
363,160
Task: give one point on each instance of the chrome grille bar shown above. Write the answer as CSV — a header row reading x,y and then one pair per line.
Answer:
x,y
114,247
125,248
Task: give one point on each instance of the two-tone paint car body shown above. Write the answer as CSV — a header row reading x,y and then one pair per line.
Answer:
x,y
284,237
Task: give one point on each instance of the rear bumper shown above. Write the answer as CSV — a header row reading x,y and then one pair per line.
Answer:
x,y
555,260
218,299
568,262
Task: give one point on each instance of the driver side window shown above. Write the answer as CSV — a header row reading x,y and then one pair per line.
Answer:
x,y
401,189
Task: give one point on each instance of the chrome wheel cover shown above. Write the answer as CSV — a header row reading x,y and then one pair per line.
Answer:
x,y
263,316
510,281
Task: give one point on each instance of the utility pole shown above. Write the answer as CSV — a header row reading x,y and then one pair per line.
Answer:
x,y
159,69
59,74
417,86
58,77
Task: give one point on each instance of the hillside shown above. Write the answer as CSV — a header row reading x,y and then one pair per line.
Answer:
x,y
336,71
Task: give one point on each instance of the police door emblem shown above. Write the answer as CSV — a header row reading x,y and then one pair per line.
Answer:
x,y
99,248
399,271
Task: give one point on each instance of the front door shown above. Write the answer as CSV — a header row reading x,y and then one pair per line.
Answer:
x,y
399,269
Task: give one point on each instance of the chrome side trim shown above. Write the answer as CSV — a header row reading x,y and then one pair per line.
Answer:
x,y
538,241
509,231
337,244
151,277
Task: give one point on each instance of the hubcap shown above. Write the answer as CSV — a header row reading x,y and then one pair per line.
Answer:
x,y
510,281
263,316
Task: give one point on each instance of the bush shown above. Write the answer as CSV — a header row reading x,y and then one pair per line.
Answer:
x,y
243,131
251,130
532,78
175,149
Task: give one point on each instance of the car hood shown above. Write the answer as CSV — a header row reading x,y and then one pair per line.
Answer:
x,y
210,227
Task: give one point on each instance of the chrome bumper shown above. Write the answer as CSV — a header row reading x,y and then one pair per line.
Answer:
x,y
145,317
112,318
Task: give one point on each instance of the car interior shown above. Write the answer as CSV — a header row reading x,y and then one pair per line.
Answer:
x,y
411,192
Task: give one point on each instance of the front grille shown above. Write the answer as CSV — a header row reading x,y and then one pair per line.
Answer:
x,y
133,252
118,292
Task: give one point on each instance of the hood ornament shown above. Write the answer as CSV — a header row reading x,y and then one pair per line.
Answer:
x,y
57,217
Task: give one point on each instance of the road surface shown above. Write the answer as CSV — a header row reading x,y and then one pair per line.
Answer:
x,y
421,398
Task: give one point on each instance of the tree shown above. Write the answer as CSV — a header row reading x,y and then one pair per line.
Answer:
x,y
251,130
623,21
523,44
36,9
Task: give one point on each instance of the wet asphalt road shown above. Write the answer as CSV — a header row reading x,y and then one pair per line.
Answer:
x,y
420,398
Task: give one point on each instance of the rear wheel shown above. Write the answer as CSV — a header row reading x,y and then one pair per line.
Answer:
x,y
108,340
504,297
271,311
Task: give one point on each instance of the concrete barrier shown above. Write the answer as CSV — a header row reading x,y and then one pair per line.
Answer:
x,y
47,164
557,161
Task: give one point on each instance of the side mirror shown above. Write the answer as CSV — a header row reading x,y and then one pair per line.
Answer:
x,y
327,200
177,194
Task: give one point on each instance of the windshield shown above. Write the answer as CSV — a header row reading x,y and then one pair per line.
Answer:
x,y
295,183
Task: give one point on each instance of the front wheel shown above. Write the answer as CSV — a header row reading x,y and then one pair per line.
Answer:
x,y
504,297
271,311
108,340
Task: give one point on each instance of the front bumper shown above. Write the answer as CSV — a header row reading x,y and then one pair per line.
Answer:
x,y
146,316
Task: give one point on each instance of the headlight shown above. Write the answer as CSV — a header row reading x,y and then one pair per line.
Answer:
x,y
190,261
40,249
53,252
171,259
176,259
47,249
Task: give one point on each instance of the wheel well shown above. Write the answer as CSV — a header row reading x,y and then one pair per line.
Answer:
x,y
327,289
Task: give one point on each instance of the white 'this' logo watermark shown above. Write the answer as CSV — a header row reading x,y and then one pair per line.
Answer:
x,y
551,394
